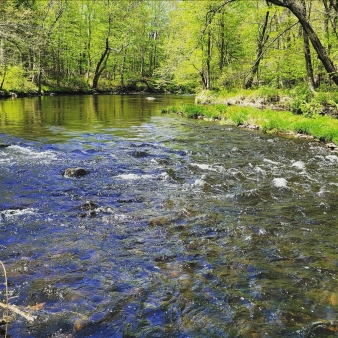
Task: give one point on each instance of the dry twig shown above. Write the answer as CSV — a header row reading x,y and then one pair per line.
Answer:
x,y
13,308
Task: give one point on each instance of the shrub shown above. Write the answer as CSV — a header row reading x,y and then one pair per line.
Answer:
x,y
18,80
171,109
237,115
310,109
193,110
269,94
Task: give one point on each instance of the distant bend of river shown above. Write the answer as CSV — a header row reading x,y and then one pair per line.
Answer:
x,y
181,228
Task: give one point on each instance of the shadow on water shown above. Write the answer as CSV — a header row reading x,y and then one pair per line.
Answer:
x,y
181,228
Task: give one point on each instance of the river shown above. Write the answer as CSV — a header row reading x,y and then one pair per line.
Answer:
x,y
181,228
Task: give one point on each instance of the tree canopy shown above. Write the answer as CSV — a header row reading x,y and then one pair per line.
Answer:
x,y
81,45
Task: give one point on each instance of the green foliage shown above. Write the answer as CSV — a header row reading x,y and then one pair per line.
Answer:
x,y
237,115
75,83
273,121
323,128
194,110
197,111
182,46
18,80
269,93
221,109
330,98
310,109
172,109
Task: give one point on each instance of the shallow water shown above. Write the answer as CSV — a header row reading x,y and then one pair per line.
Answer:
x,y
182,228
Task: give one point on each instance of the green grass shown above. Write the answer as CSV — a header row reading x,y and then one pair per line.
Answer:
x,y
298,99
323,128
195,111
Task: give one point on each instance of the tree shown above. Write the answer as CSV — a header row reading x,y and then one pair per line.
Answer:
x,y
203,41
307,52
296,9
261,42
17,28
52,12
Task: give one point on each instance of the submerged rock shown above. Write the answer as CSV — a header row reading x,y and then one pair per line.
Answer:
x,y
4,145
89,205
91,209
139,154
331,146
321,329
74,172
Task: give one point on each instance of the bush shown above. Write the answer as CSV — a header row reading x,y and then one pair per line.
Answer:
x,y
238,115
269,94
18,80
172,109
310,109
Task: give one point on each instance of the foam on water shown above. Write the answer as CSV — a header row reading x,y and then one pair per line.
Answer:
x,y
279,182
16,152
271,162
200,182
332,158
299,165
12,213
5,161
163,176
259,170
134,176
202,166
322,191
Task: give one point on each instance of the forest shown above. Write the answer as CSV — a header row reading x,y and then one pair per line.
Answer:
x,y
167,46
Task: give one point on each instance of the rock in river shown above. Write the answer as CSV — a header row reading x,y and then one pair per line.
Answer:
x,y
91,209
331,146
74,172
4,145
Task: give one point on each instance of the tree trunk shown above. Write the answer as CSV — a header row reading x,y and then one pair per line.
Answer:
x,y
262,39
88,46
101,65
3,76
222,43
123,67
39,74
208,77
307,54
308,62
332,17
316,43
204,80
39,81
3,62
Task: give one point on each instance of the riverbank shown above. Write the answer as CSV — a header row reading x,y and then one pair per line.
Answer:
x,y
130,89
267,117
6,95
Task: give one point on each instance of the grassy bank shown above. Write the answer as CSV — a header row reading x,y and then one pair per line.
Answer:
x,y
297,100
321,127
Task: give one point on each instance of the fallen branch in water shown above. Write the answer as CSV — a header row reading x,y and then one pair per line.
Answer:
x,y
6,286
7,306
13,308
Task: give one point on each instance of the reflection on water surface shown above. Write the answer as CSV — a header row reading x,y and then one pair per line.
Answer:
x,y
182,228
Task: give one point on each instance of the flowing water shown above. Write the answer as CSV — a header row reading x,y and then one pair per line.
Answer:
x,y
181,228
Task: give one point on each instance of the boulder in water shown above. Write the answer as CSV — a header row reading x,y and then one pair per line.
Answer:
x,y
91,209
74,172
89,205
4,145
331,146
